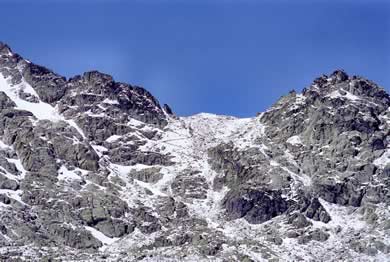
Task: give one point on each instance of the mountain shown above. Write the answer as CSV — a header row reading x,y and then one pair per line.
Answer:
x,y
96,170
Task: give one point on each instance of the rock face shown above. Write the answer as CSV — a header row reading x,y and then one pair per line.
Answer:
x,y
253,205
93,169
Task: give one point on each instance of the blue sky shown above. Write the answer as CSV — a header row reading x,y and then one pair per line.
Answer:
x,y
224,57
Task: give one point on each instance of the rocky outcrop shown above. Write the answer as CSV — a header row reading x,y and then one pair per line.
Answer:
x,y
337,121
314,210
149,175
6,183
77,238
254,205
49,86
190,186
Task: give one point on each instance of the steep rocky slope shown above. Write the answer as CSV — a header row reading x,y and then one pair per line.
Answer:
x,y
92,169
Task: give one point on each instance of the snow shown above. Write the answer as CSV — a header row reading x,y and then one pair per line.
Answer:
x,y
382,161
7,174
101,115
133,241
215,129
302,178
151,188
16,195
300,98
294,140
341,214
351,96
347,95
101,237
125,170
135,122
40,110
3,145
188,139
99,149
113,138
65,174
299,101
211,130
73,124
19,166
110,101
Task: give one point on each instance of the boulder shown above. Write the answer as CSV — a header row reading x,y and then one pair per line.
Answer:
x,y
255,206
6,183
298,220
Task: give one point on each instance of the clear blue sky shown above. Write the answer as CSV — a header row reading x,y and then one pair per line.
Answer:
x,y
225,57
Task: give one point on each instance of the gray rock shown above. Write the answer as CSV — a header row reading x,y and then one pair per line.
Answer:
x,y
298,220
254,205
190,186
5,101
145,221
5,199
148,175
276,240
49,86
114,227
348,193
80,239
99,214
319,235
339,76
292,234
315,211
6,183
8,167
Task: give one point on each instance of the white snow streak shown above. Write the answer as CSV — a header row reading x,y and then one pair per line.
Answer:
x,y
383,160
101,237
294,140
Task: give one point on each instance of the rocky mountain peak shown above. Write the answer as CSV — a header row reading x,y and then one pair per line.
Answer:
x,y
5,49
97,78
345,103
339,75
87,92
340,85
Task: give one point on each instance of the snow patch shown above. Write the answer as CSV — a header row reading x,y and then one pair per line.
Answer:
x,y
110,101
16,195
382,161
19,166
347,95
113,138
294,140
40,110
341,214
135,122
3,145
101,237
73,124
65,174
99,150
